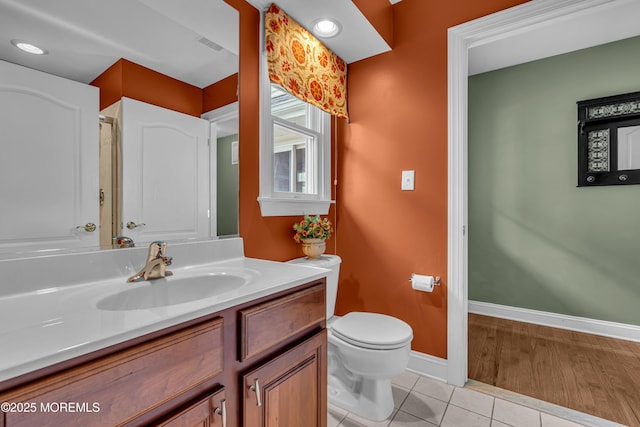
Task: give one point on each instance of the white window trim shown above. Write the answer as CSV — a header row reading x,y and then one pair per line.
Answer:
x,y
290,204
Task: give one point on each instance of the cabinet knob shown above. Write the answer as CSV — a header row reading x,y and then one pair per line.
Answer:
x,y
222,411
256,389
131,225
88,227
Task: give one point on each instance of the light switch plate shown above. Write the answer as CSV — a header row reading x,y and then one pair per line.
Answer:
x,y
407,180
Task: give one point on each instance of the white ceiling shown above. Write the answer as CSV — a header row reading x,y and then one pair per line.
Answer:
x,y
608,22
85,37
358,39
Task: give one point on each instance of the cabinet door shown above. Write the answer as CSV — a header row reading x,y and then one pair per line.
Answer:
x,y
49,161
289,390
165,171
208,412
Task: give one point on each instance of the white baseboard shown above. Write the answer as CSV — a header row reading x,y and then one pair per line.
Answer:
x,y
562,321
428,366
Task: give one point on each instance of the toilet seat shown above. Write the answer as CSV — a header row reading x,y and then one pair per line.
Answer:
x,y
372,330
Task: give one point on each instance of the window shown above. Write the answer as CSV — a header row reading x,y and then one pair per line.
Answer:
x,y
296,132
295,155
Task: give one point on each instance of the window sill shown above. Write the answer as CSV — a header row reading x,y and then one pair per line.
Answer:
x,y
270,206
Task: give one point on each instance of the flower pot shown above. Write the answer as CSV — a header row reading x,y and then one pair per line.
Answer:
x,y
313,248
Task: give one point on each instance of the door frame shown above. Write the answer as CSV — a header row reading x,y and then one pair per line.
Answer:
x,y
498,26
226,112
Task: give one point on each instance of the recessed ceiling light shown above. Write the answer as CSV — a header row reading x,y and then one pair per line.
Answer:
x,y
326,27
28,47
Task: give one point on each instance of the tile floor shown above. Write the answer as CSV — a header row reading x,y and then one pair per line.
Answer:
x,y
424,402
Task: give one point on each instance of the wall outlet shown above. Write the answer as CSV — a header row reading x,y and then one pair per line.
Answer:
x,y
407,180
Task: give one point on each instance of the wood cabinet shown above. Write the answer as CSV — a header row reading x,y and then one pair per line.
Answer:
x,y
271,351
208,412
264,325
118,388
290,390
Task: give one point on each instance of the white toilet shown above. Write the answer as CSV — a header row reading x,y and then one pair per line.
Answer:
x,y
366,350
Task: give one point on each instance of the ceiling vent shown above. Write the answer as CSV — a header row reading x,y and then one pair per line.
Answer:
x,y
205,41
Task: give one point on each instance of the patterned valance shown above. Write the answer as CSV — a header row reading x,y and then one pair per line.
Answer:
x,y
304,66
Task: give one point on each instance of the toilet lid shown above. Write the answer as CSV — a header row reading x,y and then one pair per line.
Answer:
x,y
372,330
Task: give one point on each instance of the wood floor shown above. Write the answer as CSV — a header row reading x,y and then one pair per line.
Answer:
x,y
589,373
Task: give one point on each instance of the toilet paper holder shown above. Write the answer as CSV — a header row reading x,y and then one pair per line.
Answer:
x,y
436,279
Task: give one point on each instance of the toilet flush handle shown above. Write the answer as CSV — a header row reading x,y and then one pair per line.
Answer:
x,y
256,389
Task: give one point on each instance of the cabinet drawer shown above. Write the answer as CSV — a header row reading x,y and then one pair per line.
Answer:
x,y
267,324
117,388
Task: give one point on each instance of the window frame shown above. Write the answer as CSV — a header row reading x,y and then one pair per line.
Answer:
x,y
273,203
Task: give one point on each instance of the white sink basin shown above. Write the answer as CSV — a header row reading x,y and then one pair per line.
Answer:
x,y
172,290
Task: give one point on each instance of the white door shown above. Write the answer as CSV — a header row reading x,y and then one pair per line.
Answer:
x,y
165,174
48,161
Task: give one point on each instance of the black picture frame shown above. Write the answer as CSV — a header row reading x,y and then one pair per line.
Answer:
x,y
598,122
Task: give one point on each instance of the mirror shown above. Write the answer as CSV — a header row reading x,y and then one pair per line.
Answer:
x,y
629,148
609,140
193,41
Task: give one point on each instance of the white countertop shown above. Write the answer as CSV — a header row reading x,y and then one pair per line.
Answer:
x,y
45,326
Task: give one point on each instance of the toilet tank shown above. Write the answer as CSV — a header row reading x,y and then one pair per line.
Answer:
x,y
330,262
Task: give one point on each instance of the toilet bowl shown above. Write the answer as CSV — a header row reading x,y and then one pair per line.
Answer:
x,y
365,351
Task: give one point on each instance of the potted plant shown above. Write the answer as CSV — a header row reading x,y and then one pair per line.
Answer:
x,y
312,232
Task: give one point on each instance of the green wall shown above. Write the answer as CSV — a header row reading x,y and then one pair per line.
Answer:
x,y
536,240
227,188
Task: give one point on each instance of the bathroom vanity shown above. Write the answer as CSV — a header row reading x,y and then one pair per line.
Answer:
x,y
251,355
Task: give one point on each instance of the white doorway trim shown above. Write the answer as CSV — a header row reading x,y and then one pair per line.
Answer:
x,y
531,16
227,113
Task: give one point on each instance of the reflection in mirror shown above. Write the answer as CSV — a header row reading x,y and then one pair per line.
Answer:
x,y
194,42
629,147
109,184
224,130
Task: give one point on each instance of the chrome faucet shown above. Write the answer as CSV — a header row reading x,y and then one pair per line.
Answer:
x,y
157,261
122,242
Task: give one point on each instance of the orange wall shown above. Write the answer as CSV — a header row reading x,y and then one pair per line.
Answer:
x,y
125,78
380,14
398,111
110,84
220,93
264,237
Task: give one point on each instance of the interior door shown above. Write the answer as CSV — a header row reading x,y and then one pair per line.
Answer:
x,y
165,174
49,193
